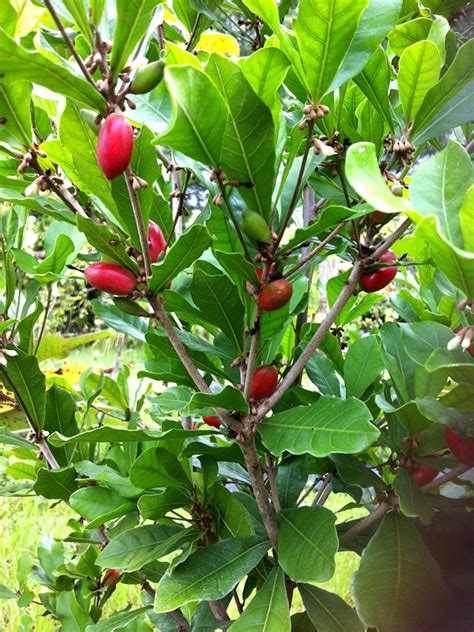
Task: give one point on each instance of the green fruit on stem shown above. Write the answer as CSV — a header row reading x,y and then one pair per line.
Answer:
x,y
148,77
255,227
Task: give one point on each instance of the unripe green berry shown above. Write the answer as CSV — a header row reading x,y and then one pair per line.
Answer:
x,y
255,227
148,77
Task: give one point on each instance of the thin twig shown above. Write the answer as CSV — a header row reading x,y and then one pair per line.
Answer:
x,y
70,44
449,476
232,216
45,318
137,213
391,239
314,252
326,488
296,192
317,480
179,210
193,32
218,610
272,474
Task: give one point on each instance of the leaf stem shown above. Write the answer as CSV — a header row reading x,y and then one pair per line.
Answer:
x,y
232,216
137,213
45,318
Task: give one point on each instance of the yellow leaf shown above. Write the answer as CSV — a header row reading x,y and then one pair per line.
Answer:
x,y
169,17
218,43
28,16
70,373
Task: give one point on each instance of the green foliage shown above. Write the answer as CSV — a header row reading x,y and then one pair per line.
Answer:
x,y
294,160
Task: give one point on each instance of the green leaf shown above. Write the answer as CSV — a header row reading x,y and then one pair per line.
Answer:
x,y
439,186
185,251
54,264
99,504
236,262
322,373
291,480
120,621
155,506
28,384
106,434
229,398
70,614
8,17
219,302
408,33
355,472
420,65
396,556
53,346
133,20
269,610
374,82
107,243
15,108
466,218
247,153
325,32
134,548
6,593
199,115
377,20
363,173
364,363
413,503
448,103
328,611
133,326
330,425
7,437
234,519
174,399
445,7
59,483
210,573
158,467
307,543
19,64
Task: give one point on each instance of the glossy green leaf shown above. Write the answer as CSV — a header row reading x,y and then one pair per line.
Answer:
x,y
374,82
330,425
8,17
106,242
322,374
219,302
119,620
6,593
307,543
409,33
328,611
420,65
448,103
133,326
364,363
99,504
413,503
444,7
234,519
377,20
155,506
78,14
236,262
70,614
185,251
158,467
396,556
19,64
210,573
28,383
199,115
247,153
133,20
59,483
325,32
291,480
229,398
54,264
363,173
355,472
269,610
15,108
134,548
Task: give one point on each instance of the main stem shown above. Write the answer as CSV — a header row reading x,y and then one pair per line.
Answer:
x,y
137,213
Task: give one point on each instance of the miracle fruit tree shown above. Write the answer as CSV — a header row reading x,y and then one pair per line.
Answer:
x,y
340,129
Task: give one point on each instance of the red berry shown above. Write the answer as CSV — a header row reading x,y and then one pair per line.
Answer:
x,y
379,217
259,272
275,295
111,577
212,421
114,146
157,241
110,278
194,427
264,381
381,277
461,447
422,473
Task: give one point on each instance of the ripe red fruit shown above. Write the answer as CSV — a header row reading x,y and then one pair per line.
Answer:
x,y
461,447
264,381
379,217
212,421
381,277
422,473
111,577
110,278
114,146
275,295
156,240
